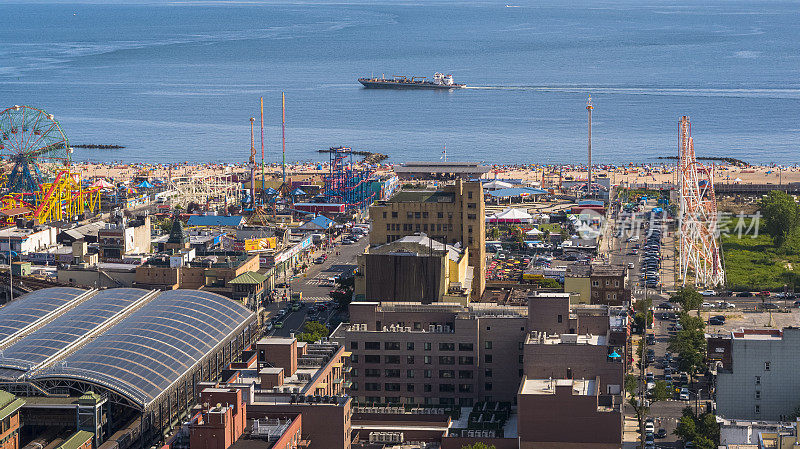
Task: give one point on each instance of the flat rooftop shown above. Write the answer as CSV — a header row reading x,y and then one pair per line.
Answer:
x,y
422,196
569,339
583,387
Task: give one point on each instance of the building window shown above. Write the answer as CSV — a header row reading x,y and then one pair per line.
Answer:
x,y
428,374
595,284
766,366
446,388
520,358
488,344
394,214
521,345
488,372
424,215
487,358
410,388
465,388
391,359
446,374
354,358
758,394
447,360
388,226
427,346
427,360
616,283
425,227
392,387
439,214
469,229
447,346
758,380
372,358
369,372
369,386
391,346
427,389
465,346
471,216
560,318
410,345
372,345
472,205
353,345
384,215
417,214
416,227
469,195
487,386
354,372
464,374
410,360
465,360
758,408
410,215
391,373
354,386
410,373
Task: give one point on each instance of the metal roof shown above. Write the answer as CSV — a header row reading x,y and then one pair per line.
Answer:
x,y
31,308
57,335
143,355
249,278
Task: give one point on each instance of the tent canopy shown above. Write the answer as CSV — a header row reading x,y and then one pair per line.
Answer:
x,y
510,215
497,184
144,185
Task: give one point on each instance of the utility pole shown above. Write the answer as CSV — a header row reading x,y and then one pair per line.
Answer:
x,y
252,165
589,107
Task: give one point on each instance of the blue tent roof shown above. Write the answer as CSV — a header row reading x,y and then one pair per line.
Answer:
x,y
297,191
319,222
614,355
271,191
144,184
515,191
216,220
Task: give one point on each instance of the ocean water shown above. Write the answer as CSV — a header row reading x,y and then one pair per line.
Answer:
x,y
178,81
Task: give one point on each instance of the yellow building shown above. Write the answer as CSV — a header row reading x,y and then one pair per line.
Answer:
x,y
454,214
577,282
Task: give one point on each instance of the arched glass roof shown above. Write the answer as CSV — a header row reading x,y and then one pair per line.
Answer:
x,y
31,307
145,353
68,328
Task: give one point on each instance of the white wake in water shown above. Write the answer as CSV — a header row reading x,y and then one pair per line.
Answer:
x,y
662,91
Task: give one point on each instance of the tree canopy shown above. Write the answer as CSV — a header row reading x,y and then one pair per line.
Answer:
x,y
478,445
781,215
688,298
313,331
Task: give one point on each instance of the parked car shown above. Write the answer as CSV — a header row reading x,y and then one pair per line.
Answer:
x,y
684,394
717,320
708,293
278,324
744,294
768,306
666,305
661,433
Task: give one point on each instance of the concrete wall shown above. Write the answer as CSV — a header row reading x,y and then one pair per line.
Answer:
x,y
776,391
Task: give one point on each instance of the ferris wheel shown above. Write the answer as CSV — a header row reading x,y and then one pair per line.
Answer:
x,y
33,141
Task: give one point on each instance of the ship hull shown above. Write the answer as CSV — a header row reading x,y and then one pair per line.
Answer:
x,y
373,84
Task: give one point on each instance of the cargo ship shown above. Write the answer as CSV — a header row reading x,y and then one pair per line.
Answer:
x,y
440,81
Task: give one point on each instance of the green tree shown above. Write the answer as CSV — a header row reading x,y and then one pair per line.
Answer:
x,y
494,233
313,331
546,235
781,215
688,298
690,344
660,392
702,430
478,445
686,428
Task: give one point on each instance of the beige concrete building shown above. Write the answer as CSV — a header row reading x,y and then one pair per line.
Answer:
x,y
414,268
124,237
438,354
455,214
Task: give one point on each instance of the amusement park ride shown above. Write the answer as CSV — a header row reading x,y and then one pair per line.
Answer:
x,y
41,184
699,250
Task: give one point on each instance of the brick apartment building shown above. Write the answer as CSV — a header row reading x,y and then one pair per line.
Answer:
x,y
437,354
283,391
454,214
598,284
